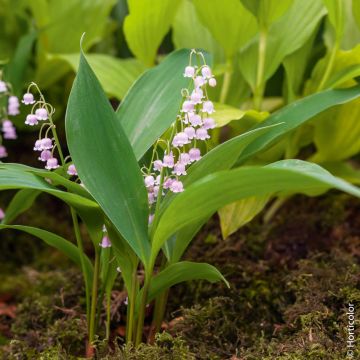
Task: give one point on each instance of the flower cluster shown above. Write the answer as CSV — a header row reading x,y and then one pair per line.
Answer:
x,y
12,109
188,131
41,113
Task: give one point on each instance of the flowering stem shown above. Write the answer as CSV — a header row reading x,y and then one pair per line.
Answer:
x,y
82,260
141,316
94,297
226,82
131,308
259,87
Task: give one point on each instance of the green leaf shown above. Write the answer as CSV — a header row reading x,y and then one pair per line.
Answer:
x,y
211,193
16,68
284,37
115,75
180,272
356,11
153,102
226,113
267,11
188,32
58,242
237,214
337,133
63,22
345,170
105,160
21,202
296,114
228,21
146,25
336,16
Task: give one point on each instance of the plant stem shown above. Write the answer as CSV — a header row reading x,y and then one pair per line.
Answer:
x,y
131,325
329,67
108,315
259,87
94,298
82,260
141,316
275,206
160,306
227,81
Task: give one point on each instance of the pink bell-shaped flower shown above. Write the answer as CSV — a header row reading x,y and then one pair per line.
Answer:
x,y
206,72
177,186
190,132
212,82
46,144
208,107
202,134
158,165
179,169
195,119
72,172
37,146
52,163
185,158
31,120
28,99
149,181
209,123
105,242
180,139
194,154
189,71
41,114
168,161
187,106
45,155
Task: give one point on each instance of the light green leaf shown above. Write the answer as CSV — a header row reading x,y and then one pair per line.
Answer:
x,y
337,133
296,114
153,102
284,37
237,214
115,75
231,24
219,189
226,113
356,11
188,32
58,242
180,272
105,160
21,202
146,25
336,16
345,170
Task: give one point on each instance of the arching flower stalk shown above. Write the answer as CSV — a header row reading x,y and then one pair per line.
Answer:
x,y
42,113
10,106
190,128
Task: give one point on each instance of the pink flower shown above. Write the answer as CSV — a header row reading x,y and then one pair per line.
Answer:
x,y
196,96
199,81
41,114
52,163
212,82
158,165
167,183
7,125
37,146
190,132
151,198
3,152
149,181
194,154
206,72
189,71
45,155
187,106
13,101
105,242
168,161
3,87
10,134
202,134
72,172
177,186
179,169
151,218
46,144
195,119
180,139
209,123
208,107
31,120
185,158
2,214
28,99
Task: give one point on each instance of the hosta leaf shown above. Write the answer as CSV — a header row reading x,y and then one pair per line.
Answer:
x,y
58,242
105,160
207,195
221,17
296,114
153,102
115,75
146,25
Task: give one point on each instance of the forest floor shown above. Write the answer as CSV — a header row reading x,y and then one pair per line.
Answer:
x,y
291,282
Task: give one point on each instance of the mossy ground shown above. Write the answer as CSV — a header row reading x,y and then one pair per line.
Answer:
x,y
291,281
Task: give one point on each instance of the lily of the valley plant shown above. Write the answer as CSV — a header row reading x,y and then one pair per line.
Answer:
x,y
143,180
